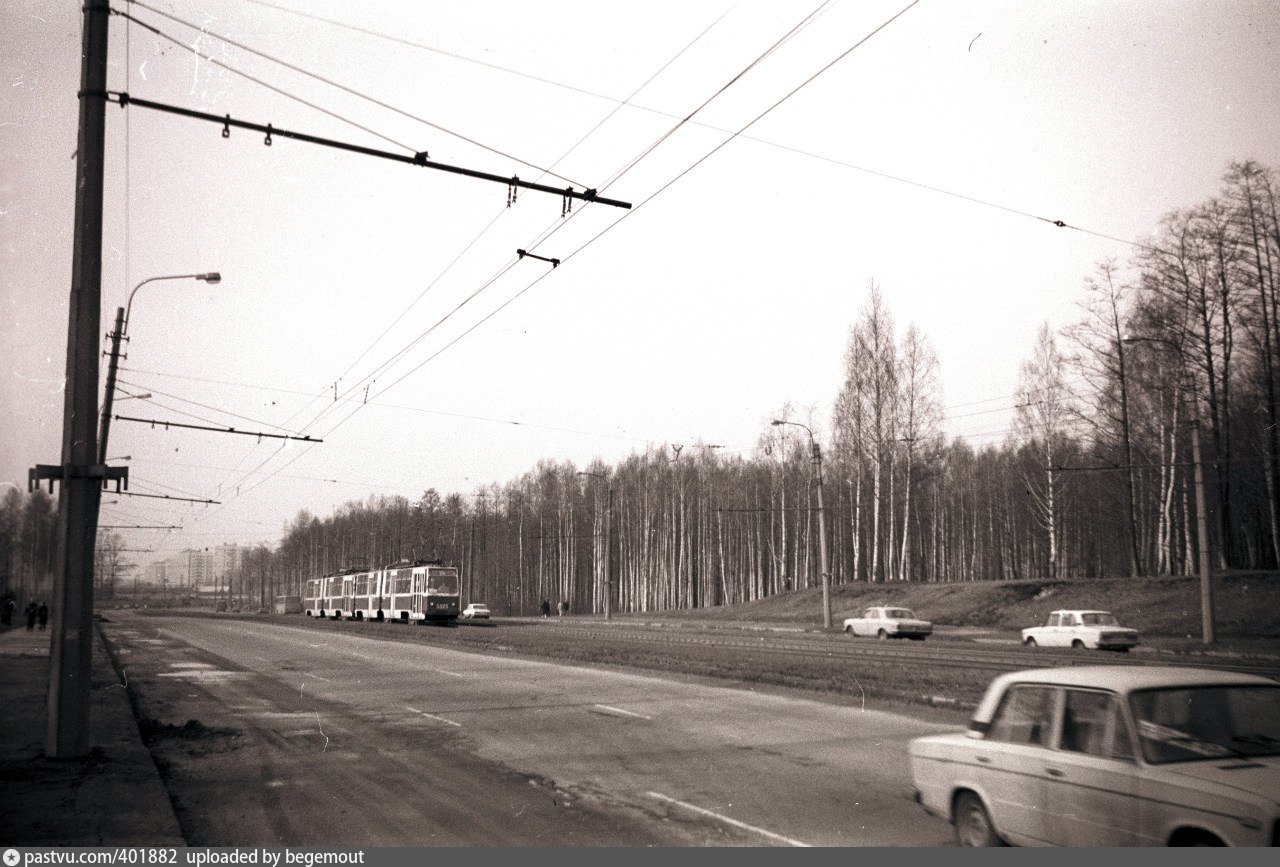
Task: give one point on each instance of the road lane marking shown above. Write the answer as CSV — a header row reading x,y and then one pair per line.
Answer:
x,y
613,709
434,717
729,821
317,677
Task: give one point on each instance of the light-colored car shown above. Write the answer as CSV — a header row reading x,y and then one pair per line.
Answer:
x,y
1111,756
886,621
476,611
1097,630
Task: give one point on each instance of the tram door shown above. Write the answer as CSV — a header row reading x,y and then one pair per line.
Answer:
x,y
419,593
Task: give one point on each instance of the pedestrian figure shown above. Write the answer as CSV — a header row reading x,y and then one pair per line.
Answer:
x,y
43,614
30,611
7,609
546,609
562,608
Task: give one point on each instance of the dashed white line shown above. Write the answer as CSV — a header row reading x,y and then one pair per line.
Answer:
x,y
317,677
434,717
613,709
728,821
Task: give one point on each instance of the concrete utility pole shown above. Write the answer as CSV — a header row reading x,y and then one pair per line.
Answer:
x,y
1202,526
71,642
1202,532
822,522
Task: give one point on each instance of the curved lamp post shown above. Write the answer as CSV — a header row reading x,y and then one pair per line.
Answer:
x,y
122,328
822,523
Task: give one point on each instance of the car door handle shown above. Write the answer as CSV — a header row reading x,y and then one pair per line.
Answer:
x,y
986,760
1054,772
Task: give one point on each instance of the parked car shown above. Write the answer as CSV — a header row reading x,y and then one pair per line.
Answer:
x,y
1098,630
476,611
888,622
1111,756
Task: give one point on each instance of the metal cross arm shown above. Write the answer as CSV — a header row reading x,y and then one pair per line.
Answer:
x,y
61,472
555,263
416,159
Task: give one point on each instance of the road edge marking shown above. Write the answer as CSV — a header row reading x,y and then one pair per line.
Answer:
x,y
613,709
433,716
729,821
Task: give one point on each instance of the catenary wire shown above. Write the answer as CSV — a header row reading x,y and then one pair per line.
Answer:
x,y
356,93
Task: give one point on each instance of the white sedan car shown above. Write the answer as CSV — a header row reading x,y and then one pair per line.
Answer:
x,y
1111,756
476,611
887,622
1097,630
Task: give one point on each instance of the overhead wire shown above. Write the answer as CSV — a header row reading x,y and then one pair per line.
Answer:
x,y
1058,223
502,271
353,92
555,226
262,83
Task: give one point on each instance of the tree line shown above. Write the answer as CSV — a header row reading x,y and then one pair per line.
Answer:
x,y
1096,477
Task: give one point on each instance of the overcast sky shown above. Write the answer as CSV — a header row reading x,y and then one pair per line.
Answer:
x,y
696,318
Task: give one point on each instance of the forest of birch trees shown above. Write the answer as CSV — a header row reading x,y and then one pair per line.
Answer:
x,y
1094,477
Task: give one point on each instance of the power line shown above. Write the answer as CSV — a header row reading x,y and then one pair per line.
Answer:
x,y
354,92
716,149
418,159
216,62
773,144
554,226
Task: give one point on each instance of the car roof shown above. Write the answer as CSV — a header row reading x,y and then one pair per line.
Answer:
x,y
1117,678
1080,611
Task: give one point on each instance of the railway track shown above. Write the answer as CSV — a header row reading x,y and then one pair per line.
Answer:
x,y
930,654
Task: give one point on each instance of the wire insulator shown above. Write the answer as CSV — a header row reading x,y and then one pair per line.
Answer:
x,y
513,190
267,141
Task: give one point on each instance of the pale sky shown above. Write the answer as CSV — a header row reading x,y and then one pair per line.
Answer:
x,y
700,315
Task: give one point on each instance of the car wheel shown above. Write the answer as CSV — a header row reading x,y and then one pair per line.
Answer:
x,y
882,635
1077,644
1030,642
849,630
973,824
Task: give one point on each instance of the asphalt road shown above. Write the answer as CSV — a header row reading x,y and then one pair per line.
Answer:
x,y
305,737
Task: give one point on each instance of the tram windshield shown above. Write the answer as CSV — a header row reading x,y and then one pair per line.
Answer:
x,y
442,581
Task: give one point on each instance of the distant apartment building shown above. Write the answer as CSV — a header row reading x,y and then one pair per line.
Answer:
x,y
197,571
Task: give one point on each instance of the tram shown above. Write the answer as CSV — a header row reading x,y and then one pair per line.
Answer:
x,y
425,590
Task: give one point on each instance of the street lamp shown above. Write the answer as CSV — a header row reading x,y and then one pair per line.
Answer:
x,y
122,327
1202,526
822,523
608,548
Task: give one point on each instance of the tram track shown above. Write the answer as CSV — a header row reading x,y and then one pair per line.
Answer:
x,y
950,654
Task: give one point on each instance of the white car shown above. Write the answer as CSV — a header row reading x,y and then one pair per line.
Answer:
x,y
1097,630
888,622
1111,756
476,611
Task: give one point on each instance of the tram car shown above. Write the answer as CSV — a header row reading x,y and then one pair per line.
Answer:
x,y
425,591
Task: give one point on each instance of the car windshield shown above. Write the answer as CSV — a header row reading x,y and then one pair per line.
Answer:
x,y
899,613
1184,724
1099,618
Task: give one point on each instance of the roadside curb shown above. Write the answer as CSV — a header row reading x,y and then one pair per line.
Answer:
x,y
137,804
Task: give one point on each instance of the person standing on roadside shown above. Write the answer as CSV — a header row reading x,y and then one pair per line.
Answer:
x,y
43,613
30,611
546,609
6,609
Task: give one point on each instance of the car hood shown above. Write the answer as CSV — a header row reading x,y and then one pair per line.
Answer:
x,y
1257,774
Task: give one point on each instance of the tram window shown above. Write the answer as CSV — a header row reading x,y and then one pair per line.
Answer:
x,y
404,581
